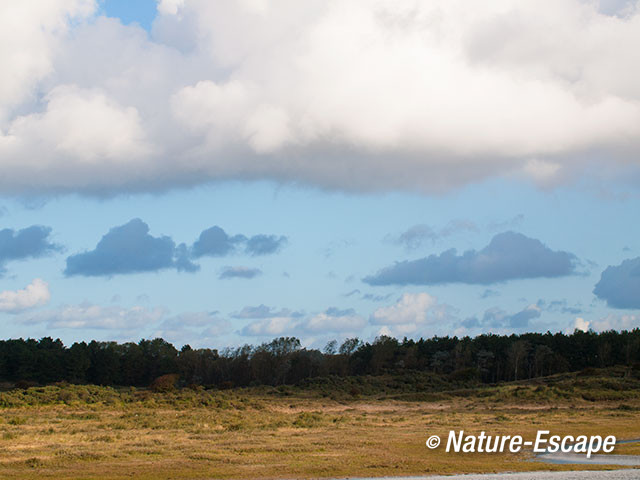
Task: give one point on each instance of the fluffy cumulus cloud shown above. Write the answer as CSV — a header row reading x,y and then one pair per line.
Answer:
x,y
414,314
30,32
351,95
215,242
580,324
130,248
508,256
30,242
265,244
86,127
33,295
619,285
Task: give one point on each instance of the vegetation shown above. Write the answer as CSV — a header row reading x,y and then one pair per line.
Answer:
x,y
484,359
329,427
147,410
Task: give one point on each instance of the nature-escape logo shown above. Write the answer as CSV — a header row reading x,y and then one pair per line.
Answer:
x,y
458,442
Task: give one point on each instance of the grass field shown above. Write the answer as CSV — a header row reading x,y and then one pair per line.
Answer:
x,y
327,429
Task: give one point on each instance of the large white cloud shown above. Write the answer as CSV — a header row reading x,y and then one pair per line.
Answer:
x,y
82,132
30,34
414,314
33,295
353,95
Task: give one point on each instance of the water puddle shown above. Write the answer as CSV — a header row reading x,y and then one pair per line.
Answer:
x,y
597,459
631,474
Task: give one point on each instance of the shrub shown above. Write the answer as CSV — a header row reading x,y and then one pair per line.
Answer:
x,y
164,383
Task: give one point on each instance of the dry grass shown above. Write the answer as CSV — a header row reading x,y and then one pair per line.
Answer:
x,y
263,434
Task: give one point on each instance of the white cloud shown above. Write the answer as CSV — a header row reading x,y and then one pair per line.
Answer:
x,y
410,308
169,7
414,313
543,172
196,328
83,126
30,33
216,110
269,327
353,95
616,322
325,322
285,322
88,316
33,295
608,322
192,319
580,324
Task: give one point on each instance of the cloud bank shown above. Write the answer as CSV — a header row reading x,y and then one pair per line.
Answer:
x,y
268,321
215,242
203,327
264,311
89,316
606,323
130,248
508,256
354,96
620,285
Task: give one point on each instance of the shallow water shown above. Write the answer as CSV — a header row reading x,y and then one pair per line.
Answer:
x,y
632,474
557,458
576,458
597,459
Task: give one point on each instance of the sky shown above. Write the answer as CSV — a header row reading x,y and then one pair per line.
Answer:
x,y
225,172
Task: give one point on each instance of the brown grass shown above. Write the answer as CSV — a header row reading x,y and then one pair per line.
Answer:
x,y
260,434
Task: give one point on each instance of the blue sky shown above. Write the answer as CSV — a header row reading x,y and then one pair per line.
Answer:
x,y
155,115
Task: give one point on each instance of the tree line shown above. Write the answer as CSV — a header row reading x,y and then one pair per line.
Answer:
x,y
487,358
